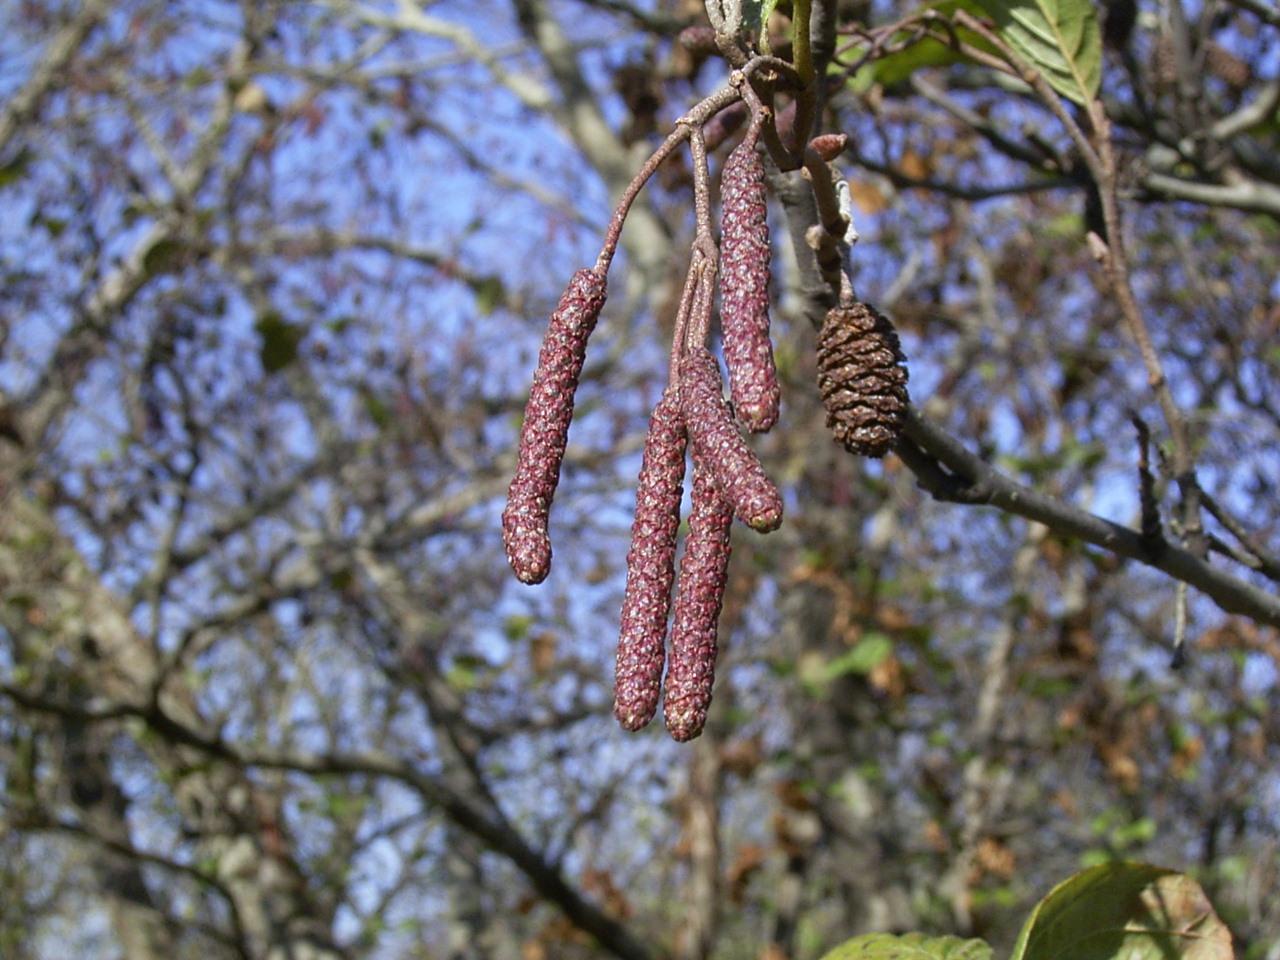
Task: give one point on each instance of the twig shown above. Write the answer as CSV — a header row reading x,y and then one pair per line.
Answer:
x,y
1152,529
806,101
1179,657
693,120
1263,561
687,295
949,471
50,70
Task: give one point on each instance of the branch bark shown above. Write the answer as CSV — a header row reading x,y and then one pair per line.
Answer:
x,y
949,471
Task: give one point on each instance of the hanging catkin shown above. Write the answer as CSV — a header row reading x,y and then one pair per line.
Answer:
x,y
704,571
744,288
650,567
546,426
720,447
861,378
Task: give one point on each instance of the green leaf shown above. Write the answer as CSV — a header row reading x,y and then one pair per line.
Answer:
x,y
897,67
1133,911
280,340
755,18
516,626
376,408
1060,38
13,170
163,256
909,946
489,292
867,654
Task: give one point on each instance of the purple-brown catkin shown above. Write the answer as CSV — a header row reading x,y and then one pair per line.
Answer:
x,y
651,565
744,288
704,571
546,426
720,447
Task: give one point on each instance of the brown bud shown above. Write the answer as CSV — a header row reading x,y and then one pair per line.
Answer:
x,y
650,567
744,289
828,146
720,447
862,381
704,571
546,426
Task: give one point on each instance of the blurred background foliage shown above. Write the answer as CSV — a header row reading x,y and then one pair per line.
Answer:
x,y
272,278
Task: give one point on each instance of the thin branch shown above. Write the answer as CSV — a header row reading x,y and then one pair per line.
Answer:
x,y
946,469
692,120
974,194
984,127
1240,195
652,21
1262,560
1260,9
50,70
1258,110
489,826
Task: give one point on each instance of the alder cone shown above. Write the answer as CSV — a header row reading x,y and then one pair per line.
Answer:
x,y
744,289
719,446
704,571
651,565
545,432
861,378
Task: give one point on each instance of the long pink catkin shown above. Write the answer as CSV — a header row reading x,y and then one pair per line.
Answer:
x,y
650,567
545,433
704,571
744,288
719,446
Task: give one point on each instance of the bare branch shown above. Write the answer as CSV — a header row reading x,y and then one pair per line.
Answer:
x,y
50,69
950,472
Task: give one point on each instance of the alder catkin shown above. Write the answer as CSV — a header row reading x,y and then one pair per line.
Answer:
x,y
720,447
861,378
650,567
546,426
744,288
704,571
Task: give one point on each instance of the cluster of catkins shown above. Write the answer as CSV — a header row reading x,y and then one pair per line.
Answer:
x,y
863,388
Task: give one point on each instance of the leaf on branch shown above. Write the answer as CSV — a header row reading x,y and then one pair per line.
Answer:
x,y
12,170
280,340
1130,910
164,256
755,18
897,67
1059,38
490,292
867,654
909,946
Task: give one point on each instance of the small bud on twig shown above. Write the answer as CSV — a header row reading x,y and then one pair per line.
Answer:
x,y
546,426
828,146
